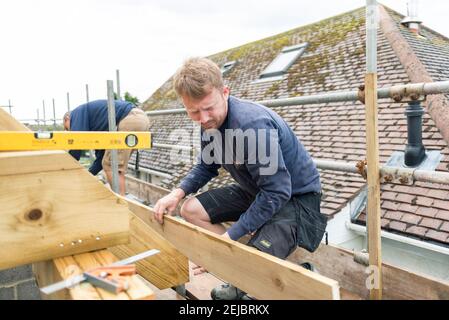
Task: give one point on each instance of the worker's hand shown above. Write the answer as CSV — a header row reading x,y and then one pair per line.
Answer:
x,y
167,204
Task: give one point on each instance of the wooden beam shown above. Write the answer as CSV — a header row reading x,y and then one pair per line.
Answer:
x,y
167,269
399,284
373,207
372,145
8,123
15,163
56,213
261,275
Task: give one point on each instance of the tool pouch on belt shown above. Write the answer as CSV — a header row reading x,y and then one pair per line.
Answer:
x,y
278,236
311,223
298,223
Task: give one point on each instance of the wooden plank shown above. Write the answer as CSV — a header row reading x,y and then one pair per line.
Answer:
x,y
54,214
373,206
167,269
12,163
8,123
261,275
200,287
399,284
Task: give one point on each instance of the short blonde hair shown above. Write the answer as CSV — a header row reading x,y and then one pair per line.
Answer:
x,y
197,77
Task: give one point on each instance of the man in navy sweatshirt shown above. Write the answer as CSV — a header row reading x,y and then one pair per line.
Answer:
x,y
277,195
93,116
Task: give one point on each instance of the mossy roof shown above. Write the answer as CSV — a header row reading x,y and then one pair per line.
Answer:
x,y
334,61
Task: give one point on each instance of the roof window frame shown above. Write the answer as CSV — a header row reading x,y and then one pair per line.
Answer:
x,y
300,48
227,66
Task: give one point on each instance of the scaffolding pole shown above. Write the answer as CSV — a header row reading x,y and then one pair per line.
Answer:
x,y
113,127
68,102
372,143
43,114
117,74
394,92
54,114
38,120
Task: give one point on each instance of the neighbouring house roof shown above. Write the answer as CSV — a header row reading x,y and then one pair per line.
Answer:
x,y
333,61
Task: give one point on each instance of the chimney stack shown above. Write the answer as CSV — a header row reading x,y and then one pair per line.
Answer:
x,y
412,21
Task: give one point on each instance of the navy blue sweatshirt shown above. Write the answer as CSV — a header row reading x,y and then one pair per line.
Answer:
x,y
93,116
295,172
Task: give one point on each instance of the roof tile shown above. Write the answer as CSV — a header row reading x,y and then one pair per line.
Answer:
x,y
443,214
424,201
440,204
410,218
393,215
430,223
440,194
389,195
408,208
445,227
407,198
398,226
417,231
437,235
391,205
384,222
427,212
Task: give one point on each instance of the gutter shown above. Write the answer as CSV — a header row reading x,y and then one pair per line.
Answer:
x,y
392,236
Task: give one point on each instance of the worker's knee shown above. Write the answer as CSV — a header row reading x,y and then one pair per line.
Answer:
x,y
191,209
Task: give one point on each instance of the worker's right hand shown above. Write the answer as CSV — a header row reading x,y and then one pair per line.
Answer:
x,y
167,204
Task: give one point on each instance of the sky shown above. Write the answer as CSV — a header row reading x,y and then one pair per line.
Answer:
x,y
51,47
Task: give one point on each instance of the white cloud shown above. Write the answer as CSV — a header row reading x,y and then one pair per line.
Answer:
x,y
52,47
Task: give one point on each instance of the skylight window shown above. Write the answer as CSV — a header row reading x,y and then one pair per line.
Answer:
x,y
283,61
227,67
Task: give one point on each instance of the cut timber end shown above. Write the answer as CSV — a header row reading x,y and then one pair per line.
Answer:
x,y
48,212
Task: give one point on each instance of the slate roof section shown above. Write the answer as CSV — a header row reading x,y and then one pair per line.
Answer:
x,y
334,61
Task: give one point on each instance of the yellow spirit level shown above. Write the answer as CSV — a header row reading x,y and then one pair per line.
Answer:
x,y
71,140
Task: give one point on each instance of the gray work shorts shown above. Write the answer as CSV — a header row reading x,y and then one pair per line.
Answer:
x,y
298,223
